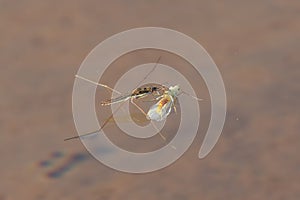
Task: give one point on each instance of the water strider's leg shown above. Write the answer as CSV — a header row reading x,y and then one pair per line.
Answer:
x,y
99,84
104,124
150,72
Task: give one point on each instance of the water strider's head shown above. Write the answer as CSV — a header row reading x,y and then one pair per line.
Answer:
x,y
174,90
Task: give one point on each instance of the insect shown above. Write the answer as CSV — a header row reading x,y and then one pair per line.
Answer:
x,y
157,112
137,93
163,107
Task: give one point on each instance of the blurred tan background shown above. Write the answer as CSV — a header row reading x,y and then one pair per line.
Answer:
x,y
255,45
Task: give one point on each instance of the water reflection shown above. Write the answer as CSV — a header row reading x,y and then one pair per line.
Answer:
x,y
58,164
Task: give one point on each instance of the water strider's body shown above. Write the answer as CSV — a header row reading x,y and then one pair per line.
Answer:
x,y
138,93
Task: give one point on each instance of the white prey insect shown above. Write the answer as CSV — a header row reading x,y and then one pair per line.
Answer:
x,y
163,107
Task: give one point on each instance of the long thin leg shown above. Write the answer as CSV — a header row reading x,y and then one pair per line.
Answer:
x,y
149,72
99,84
183,92
105,86
161,135
104,124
